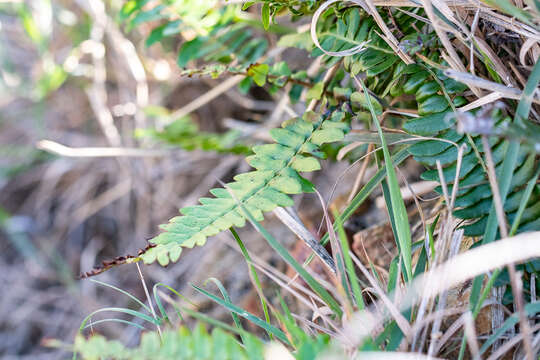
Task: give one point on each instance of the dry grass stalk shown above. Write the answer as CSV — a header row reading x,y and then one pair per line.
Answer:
x,y
450,274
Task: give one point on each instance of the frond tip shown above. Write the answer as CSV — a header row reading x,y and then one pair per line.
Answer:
x,y
276,176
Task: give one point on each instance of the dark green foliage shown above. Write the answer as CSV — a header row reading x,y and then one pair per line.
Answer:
x,y
474,199
225,44
432,90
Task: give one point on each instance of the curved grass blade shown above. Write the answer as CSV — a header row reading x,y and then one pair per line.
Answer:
x,y
147,308
289,259
259,289
227,298
116,320
355,284
160,305
243,313
121,310
403,231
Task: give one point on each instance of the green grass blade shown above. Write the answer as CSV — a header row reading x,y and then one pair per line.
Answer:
x,y
243,313
355,284
147,308
285,255
403,231
227,298
510,9
121,310
524,200
245,253
159,304
115,320
214,322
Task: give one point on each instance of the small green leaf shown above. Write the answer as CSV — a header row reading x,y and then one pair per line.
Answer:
x,y
433,104
287,185
430,124
360,98
265,14
304,164
280,69
189,51
415,81
248,4
315,93
326,136
258,73
277,197
287,137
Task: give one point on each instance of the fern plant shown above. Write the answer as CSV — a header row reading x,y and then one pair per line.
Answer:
x,y
199,344
276,176
435,98
474,196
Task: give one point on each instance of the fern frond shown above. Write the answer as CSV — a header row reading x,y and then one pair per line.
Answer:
x,y
474,196
423,87
174,344
225,44
276,177
222,34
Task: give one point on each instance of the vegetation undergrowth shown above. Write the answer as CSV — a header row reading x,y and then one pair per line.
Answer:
x,y
388,82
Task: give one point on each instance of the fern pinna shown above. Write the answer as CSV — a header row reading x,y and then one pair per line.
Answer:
x,y
277,174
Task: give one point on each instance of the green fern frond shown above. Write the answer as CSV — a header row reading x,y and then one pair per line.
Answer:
x,y
179,344
276,176
474,196
233,42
